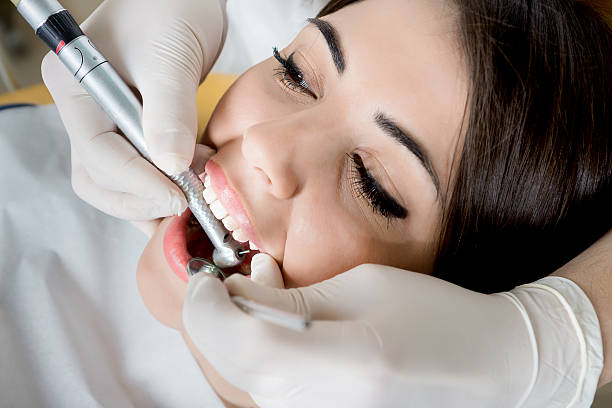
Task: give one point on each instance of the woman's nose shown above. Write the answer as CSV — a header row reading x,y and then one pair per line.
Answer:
x,y
272,149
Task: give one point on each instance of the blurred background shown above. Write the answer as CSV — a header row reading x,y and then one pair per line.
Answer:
x,y
20,51
20,56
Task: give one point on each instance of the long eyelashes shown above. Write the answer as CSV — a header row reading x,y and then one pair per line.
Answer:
x,y
362,181
291,75
372,191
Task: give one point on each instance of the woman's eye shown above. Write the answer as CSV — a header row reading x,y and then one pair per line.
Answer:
x,y
369,188
291,76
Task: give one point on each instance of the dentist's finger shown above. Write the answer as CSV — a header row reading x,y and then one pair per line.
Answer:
x,y
182,53
266,366
119,166
170,118
325,300
265,271
81,115
200,157
119,204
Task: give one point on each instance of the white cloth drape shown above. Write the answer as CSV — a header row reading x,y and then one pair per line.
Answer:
x,y
73,329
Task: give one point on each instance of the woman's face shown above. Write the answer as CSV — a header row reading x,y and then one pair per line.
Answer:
x,y
336,151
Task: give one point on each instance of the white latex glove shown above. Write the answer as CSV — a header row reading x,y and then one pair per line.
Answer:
x,y
164,49
265,271
382,336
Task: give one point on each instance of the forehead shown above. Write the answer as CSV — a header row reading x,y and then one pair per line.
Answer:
x,y
406,59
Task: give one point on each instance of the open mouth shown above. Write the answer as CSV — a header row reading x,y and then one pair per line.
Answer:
x,y
184,238
198,245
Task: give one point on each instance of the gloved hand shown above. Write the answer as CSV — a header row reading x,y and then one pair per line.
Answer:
x,y
382,336
163,49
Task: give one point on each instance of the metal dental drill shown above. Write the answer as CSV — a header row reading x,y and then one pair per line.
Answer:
x,y
55,26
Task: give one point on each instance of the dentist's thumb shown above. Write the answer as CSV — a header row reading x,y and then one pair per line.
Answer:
x,y
170,120
172,66
327,300
265,271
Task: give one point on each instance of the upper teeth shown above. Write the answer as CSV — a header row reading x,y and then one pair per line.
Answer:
x,y
218,210
230,223
209,195
222,215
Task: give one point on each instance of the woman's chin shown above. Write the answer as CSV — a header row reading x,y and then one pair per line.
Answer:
x,y
161,290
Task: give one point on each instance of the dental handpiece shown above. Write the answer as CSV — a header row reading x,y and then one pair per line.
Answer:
x,y
57,28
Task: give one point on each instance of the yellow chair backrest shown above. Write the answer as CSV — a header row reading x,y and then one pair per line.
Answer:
x,y
208,95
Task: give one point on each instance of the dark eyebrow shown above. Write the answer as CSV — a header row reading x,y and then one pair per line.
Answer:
x,y
333,42
408,141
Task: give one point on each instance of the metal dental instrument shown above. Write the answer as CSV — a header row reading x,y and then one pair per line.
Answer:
x,y
57,28
266,313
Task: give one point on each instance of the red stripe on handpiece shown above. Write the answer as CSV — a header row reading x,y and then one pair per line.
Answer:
x,y
60,46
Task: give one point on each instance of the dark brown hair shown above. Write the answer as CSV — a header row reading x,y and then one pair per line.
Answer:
x,y
532,185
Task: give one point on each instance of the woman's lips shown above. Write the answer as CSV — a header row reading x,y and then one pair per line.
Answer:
x,y
231,201
176,242
175,245
183,240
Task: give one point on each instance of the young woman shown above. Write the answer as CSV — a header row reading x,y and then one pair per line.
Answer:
x,y
465,139
469,140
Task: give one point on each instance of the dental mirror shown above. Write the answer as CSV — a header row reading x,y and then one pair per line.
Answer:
x,y
197,265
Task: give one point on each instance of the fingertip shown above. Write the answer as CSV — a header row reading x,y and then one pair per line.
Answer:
x,y
265,271
201,155
178,203
204,151
261,260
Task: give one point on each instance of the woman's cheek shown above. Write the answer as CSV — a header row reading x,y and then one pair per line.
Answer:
x,y
253,98
162,292
316,251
